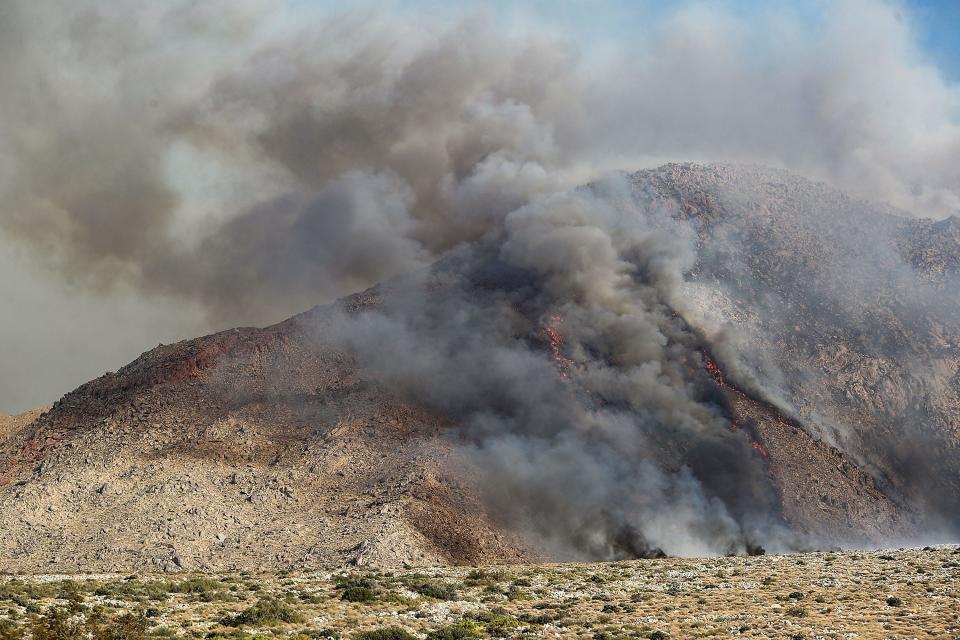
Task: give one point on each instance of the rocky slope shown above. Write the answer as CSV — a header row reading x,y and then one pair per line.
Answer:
x,y
251,448
269,448
845,311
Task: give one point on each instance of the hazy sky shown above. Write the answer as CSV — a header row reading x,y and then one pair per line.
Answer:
x,y
158,187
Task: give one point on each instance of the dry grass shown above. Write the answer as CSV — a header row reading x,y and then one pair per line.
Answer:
x,y
864,595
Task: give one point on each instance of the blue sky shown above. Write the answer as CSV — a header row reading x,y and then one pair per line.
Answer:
x,y
935,22
938,28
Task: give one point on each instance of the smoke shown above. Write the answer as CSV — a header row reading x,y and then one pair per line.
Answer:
x,y
612,448
235,153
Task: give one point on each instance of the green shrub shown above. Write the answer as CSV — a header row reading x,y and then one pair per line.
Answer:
x,y
434,590
358,594
353,581
266,612
464,630
10,631
197,586
57,624
129,626
384,633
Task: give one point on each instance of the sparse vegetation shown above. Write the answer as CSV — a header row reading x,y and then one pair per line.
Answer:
x,y
663,599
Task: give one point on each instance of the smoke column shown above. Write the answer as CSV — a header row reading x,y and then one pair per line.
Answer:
x,y
552,345
256,161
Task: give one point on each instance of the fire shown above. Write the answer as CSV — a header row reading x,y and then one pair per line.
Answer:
x,y
760,449
713,370
555,337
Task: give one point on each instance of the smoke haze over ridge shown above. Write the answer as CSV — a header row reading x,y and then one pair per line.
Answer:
x,y
256,159
252,159
249,160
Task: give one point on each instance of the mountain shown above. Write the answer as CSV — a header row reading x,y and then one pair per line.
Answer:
x,y
847,310
818,330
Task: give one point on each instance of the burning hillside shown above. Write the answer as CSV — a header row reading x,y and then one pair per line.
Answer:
x,y
603,379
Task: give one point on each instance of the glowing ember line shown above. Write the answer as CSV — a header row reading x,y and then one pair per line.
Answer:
x,y
556,346
714,370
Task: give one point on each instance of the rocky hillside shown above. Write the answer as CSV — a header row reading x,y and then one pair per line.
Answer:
x,y
845,311
828,334
251,448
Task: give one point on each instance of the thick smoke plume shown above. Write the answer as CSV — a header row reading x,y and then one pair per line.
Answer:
x,y
258,159
553,347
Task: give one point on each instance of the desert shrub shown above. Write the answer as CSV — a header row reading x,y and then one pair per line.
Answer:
x,y
195,586
265,612
358,594
517,594
464,630
58,624
894,601
796,595
659,635
394,597
483,577
796,612
19,592
541,618
384,633
308,597
353,581
128,626
10,631
497,622
61,624
136,590
435,590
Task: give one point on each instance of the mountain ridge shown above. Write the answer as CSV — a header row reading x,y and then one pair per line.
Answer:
x,y
271,448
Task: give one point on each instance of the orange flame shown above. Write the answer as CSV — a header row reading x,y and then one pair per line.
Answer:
x,y
759,448
555,337
714,370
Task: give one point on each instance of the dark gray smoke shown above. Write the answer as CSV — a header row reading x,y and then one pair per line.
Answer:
x,y
260,158
256,161
552,346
